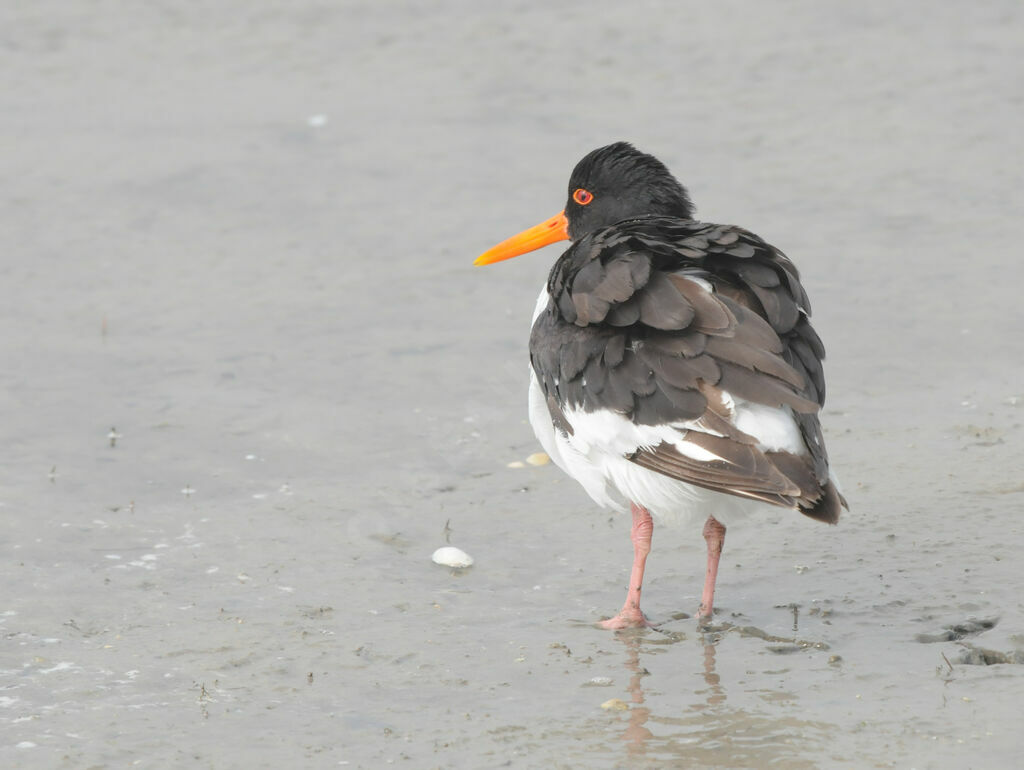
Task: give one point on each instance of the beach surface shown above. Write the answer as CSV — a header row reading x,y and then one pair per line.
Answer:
x,y
251,381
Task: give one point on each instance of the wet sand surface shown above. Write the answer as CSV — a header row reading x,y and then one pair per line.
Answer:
x,y
241,236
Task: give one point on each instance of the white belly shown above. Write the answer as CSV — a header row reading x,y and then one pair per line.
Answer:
x,y
613,482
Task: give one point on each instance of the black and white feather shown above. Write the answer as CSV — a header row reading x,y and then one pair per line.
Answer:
x,y
674,360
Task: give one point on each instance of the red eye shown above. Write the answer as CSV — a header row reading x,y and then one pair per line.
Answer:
x,y
582,197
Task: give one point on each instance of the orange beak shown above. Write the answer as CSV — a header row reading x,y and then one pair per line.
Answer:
x,y
549,231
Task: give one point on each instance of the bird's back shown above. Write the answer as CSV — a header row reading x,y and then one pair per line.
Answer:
x,y
683,349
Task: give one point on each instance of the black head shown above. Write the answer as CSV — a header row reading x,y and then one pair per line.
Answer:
x,y
619,182
609,185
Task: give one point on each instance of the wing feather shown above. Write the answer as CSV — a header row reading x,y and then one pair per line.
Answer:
x,y
675,323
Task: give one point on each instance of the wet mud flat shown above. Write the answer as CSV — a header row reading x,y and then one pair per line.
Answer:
x,y
253,268
219,630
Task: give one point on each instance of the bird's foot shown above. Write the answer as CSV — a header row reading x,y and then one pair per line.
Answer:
x,y
632,618
704,617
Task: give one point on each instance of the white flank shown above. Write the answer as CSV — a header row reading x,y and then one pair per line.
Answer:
x,y
595,455
595,452
774,428
542,302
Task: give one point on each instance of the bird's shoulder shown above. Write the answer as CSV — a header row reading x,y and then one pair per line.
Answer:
x,y
618,274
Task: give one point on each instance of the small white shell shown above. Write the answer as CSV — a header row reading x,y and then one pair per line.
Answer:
x,y
450,556
538,458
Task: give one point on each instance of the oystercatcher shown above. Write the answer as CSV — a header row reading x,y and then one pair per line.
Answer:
x,y
674,366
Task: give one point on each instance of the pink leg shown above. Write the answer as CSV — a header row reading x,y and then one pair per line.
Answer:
x,y
714,534
630,615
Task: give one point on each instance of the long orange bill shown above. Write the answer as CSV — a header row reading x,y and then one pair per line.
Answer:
x,y
549,231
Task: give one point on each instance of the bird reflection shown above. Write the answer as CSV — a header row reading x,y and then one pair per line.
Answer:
x,y
716,694
704,727
636,735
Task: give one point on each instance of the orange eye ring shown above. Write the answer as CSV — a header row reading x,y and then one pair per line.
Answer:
x,y
582,197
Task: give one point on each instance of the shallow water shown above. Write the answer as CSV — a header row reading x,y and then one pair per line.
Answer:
x,y
239,239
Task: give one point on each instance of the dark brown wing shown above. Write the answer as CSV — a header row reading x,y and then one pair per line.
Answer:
x,y
666,321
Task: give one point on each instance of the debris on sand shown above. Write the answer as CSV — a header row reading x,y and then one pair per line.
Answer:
x,y
450,556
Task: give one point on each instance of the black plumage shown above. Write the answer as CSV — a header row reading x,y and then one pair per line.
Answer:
x,y
632,328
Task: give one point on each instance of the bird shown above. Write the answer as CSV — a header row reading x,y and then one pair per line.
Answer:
x,y
674,370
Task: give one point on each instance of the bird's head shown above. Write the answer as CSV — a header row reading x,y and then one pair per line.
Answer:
x,y
609,185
